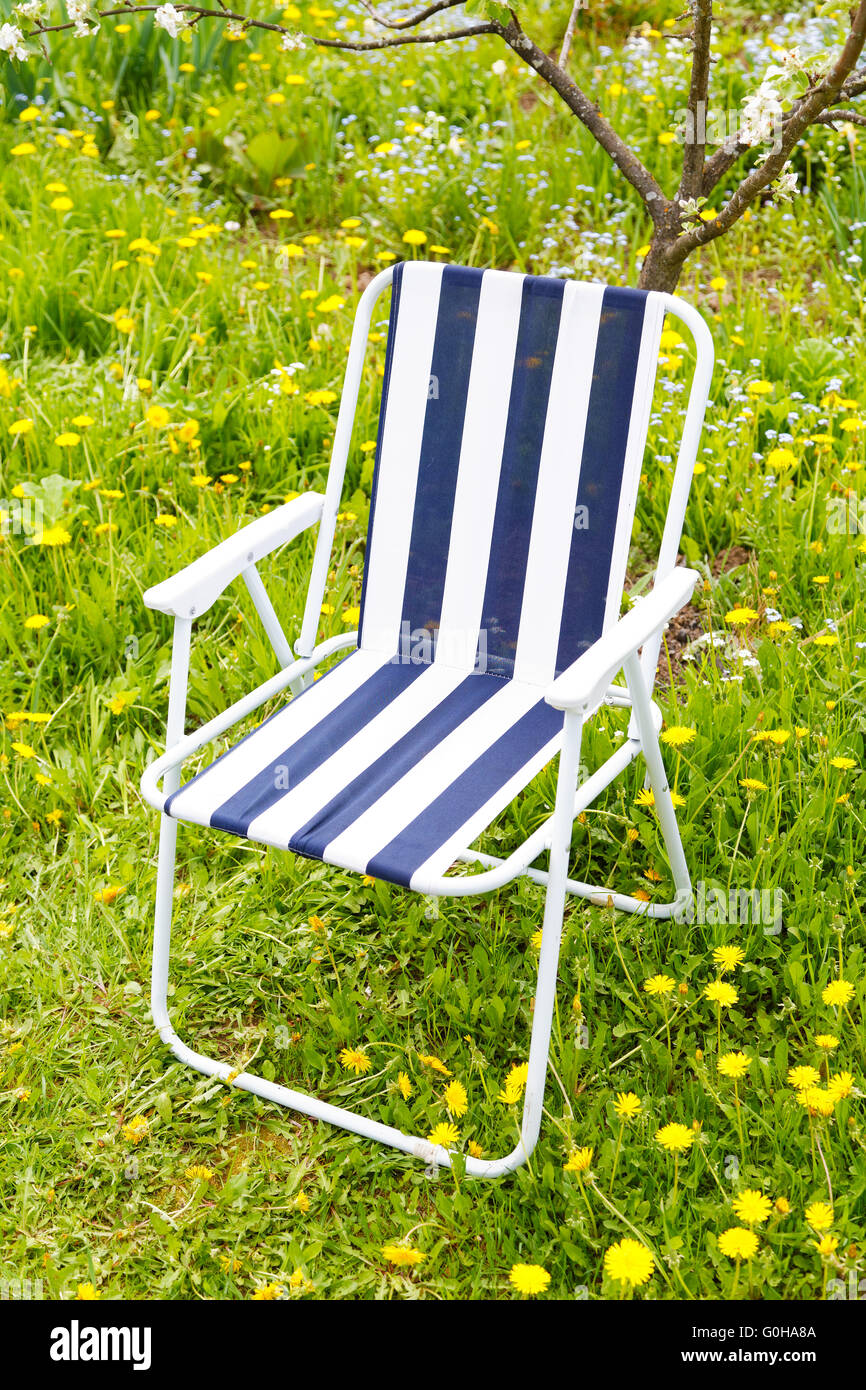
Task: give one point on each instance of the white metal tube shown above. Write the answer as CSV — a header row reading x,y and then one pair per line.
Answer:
x,y
270,622
168,827
536,843
339,455
688,451
599,897
642,715
338,1115
554,906
191,743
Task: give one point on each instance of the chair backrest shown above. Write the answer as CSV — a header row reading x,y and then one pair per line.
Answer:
x,y
512,430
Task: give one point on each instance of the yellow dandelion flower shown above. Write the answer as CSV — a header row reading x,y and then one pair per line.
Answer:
x,y
659,984
677,736
738,1243
444,1134
353,1059
579,1160
627,1105
721,993
838,993
752,1207
455,1098
529,1279
404,1256
819,1215
108,895
515,1083
802,1077
840,1085
674,1137
434,1064
734,1065
816,1101
136,1129
629,1262
728,957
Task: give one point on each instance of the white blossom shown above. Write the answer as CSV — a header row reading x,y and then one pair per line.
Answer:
x,y
292,43
12,41
79,13
761,115
170,19
791,60
499,68
690,207
30,9
785,186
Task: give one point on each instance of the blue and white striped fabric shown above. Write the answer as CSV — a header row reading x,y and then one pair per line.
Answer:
x,y
511,438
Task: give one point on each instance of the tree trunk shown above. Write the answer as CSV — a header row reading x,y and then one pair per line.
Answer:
x,y
660,271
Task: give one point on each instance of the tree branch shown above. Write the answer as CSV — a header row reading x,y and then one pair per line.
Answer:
x,y
733,149
399,40
196,10
589,115
817,100
355,45
854,85
696,127
569,32
831,117
413,20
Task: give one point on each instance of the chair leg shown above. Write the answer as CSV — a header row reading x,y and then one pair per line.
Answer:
x,y
551,935
658,781
246,1081
162,928
414,1145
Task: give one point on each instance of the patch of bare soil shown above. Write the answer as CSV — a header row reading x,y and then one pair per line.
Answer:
x,y
688,624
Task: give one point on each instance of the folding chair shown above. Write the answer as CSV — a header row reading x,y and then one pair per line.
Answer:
x,y
511,439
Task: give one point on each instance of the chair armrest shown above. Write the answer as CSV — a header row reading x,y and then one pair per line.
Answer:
x,y
193,589
583,684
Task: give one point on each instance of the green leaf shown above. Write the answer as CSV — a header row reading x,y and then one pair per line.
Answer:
x,y
162,1105
159,1224
814,362
54,495
269,154
489,9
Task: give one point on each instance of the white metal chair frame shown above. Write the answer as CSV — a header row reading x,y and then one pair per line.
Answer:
x,y
578,692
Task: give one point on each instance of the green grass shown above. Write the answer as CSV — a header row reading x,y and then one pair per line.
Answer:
x,y
501,179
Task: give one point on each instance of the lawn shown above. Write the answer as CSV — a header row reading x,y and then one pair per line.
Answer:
x,y
185,229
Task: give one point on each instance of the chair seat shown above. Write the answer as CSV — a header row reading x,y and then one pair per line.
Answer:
x,y
381,766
